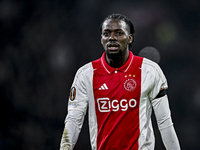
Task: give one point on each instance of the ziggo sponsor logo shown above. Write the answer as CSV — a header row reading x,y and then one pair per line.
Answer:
x,y
105,105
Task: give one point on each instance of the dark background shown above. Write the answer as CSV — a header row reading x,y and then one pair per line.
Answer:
x,y
43,43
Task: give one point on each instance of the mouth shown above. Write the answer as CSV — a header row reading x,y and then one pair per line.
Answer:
x,y
113,47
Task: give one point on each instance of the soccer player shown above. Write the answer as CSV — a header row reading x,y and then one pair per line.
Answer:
x,y
119,90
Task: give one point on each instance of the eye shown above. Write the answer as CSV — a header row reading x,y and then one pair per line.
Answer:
x,y
105,33
120,33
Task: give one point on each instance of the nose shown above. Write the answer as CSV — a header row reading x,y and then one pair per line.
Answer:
x,y
113,37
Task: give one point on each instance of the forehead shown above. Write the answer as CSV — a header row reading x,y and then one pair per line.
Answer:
x,y
115,24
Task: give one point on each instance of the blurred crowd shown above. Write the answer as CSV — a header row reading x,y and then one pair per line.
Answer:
x,y
43,43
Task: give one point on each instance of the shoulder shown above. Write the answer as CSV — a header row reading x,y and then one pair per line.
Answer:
x,y
152,68
85,69
82,73
149,65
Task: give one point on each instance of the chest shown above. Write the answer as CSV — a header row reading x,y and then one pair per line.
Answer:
x,y
118,90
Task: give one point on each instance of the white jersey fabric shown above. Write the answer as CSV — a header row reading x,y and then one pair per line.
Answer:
x,y
119,103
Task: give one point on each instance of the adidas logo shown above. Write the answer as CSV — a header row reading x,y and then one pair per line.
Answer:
x,y
103,87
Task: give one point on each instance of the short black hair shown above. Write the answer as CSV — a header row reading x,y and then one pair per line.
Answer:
x,y
123,18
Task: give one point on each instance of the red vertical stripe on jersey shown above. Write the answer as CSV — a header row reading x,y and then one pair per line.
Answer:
x,y
117,105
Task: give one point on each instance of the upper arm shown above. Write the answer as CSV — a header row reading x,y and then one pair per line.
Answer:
x,y
78,98
158,83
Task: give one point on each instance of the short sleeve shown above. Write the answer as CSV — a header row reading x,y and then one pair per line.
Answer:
x,y
159,81
78,98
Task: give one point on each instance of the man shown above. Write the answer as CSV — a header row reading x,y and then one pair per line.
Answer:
x,y
119,90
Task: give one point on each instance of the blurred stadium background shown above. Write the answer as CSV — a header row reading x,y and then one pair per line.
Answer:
x,y
43,43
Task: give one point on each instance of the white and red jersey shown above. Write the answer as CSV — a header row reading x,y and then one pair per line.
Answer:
x,y
119,103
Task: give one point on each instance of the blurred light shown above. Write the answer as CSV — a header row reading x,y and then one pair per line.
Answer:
x,y
197,98
8,10
166,33
61,57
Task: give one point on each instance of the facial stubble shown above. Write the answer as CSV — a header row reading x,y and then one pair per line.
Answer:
x,y
115,57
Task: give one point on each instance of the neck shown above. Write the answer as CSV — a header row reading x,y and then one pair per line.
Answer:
x,y
117,62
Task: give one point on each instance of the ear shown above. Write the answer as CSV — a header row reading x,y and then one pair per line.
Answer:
x,y
130,38
101,40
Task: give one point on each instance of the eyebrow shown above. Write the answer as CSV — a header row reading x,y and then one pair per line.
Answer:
x,y
114,30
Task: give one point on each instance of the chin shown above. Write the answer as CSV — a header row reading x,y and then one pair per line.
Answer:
x,y
114,55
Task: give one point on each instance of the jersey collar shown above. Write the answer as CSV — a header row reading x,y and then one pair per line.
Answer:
x,y
123,68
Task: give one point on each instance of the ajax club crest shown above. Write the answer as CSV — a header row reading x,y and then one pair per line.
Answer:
x,y
130,85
